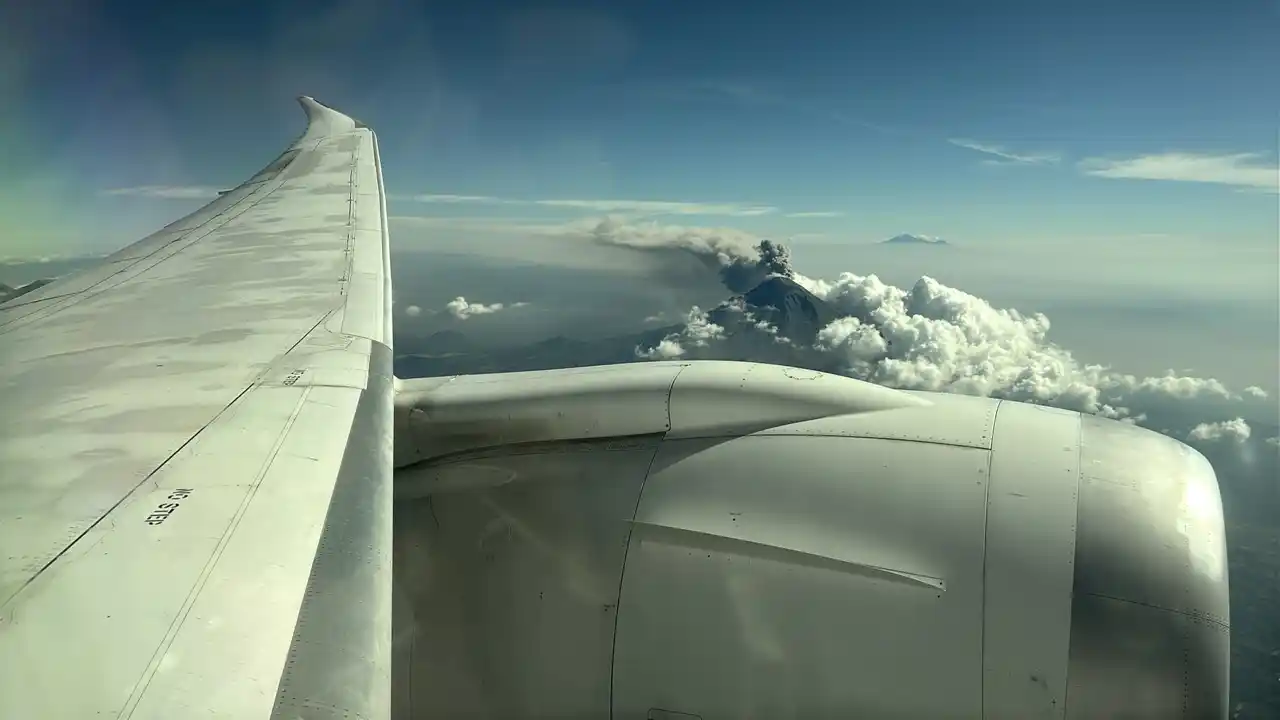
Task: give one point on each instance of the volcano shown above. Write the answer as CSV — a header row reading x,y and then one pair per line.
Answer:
x,y
781,302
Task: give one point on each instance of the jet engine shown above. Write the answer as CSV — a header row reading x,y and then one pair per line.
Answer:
x,y
737,540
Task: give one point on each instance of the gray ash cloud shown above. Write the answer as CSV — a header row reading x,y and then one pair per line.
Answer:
x,y
742,260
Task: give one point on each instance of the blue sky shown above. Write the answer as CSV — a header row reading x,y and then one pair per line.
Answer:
x,y
985,122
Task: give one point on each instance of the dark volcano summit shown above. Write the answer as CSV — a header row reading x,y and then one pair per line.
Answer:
x,y
781,302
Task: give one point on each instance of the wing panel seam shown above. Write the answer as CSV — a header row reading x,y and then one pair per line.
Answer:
x,y
149,673
123,498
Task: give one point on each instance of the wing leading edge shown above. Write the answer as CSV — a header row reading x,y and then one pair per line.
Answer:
x,y
196,458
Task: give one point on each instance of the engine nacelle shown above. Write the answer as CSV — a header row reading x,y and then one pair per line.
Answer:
x,y
732,540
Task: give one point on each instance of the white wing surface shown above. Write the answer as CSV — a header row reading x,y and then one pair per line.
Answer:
x,y
196,458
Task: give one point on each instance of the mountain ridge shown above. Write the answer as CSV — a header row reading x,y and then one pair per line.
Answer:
x,y
911,239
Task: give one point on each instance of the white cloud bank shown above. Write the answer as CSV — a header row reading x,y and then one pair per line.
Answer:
x,y
1243,170
461,309
934,337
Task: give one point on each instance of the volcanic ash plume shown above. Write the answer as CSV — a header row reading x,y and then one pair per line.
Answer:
x,y
742,259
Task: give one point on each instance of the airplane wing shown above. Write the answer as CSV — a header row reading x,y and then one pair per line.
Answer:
x,y
196,458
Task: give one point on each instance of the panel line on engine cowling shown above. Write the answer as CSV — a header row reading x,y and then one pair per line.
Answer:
x,y
687,537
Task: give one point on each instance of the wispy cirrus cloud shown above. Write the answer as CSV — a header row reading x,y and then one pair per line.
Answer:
x,y
450,199
1247,171
644,207
513,225
815,214
1003,156
165,192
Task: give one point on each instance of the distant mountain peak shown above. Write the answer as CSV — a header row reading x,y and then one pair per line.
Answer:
x,y
447,341
8,292
911,239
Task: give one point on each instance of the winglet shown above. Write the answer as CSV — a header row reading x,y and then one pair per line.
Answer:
x,y
323,120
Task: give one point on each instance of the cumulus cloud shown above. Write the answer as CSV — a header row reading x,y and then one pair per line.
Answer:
x,y
1235,431
669,348
1256,392
461,309
1244,170
1002,156
413,311
933,337
698,332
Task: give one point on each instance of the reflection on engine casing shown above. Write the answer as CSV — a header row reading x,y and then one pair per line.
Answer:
x,y
963,557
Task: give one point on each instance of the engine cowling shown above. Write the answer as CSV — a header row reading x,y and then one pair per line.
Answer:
x,y
729,540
